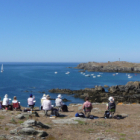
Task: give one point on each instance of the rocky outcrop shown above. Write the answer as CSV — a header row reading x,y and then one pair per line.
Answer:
x,y
129,93
118,66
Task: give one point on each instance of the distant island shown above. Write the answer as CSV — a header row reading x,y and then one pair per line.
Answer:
x,y
117,66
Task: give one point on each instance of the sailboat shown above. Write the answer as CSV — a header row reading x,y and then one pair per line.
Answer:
x,y
2,68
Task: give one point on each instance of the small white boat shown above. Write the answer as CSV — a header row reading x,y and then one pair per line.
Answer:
x,y
87,75
67,72
2,68
98,75
55,72
94,76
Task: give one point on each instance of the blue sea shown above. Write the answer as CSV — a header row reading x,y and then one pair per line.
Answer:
x,y
22,79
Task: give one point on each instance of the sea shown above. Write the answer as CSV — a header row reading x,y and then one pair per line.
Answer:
x,y
23,79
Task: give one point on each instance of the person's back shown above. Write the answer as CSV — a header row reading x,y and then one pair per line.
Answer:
x,y
111,106
46,105
58,102
42,99
5,101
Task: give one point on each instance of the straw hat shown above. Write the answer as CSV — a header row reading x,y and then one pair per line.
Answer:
x,y
59,96
48,96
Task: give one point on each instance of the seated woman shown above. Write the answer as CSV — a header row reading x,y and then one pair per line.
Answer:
x,y
5,102
87,107
42,99
15,103
58,102
31,101
47,105
111,106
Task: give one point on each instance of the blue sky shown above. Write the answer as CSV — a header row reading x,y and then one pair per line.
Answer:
x,y
69,30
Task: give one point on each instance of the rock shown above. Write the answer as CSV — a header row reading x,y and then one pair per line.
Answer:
x,y
106,86
80,107
42,125
28,131
42,133
73,120
20,116
29,123
10,124
14,131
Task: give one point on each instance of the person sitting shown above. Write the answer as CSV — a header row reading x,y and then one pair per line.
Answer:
x,y
111,106
42,99
47,105
15,103
58,102
87,107
31,101
5,102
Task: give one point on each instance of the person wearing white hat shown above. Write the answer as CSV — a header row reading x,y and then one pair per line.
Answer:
x,y
58,102
47,104
5,102
42,99
111,106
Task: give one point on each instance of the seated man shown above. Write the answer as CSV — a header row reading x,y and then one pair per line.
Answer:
x,y
31,101
47,105
5,102
87,107
111,106
42,99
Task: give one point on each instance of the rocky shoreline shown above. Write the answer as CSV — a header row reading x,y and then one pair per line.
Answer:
x,y
117,66
129,93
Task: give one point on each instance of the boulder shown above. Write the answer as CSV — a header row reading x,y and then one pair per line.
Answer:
x,y
20,116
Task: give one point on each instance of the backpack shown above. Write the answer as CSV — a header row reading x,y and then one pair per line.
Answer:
x,y
64,108
55,112
81,114
106,115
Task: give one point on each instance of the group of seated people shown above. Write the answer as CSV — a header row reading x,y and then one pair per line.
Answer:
x,y
5,104
46,104
110,107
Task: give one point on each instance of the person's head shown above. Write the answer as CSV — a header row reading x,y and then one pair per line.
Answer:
x,y
6,96
31,95
47,97
111,99
86,99
59,96
15,98
44,95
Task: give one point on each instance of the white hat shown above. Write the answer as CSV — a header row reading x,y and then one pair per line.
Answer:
x,y
44,95
6,95
59,96
110,99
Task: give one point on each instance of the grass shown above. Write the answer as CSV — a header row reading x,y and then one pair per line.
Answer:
x,y
20,121
13,121
2,117
101,123
122,138
110,130
81,122
6,129
89,130
121,134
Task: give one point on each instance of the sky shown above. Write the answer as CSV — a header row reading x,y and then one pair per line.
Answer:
x,y
69,30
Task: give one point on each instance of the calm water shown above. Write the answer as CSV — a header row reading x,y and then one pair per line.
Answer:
x,y
38,77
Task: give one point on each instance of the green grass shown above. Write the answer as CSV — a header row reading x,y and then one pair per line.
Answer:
x,y
20,121
89,130
13,121
122,138
121,134
2,117
81,122
6,129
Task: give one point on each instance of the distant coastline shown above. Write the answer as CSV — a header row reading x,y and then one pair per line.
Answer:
x,y
117,66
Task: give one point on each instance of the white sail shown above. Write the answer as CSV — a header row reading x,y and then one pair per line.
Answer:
x,y
2,68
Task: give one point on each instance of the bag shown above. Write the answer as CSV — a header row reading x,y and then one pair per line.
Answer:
x,y
81,114
77,115
55,112
107,113
91,117
64,108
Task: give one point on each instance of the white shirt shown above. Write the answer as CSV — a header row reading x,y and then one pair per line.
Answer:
x,y
42,99
58,102
5,101
46,105
15,101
